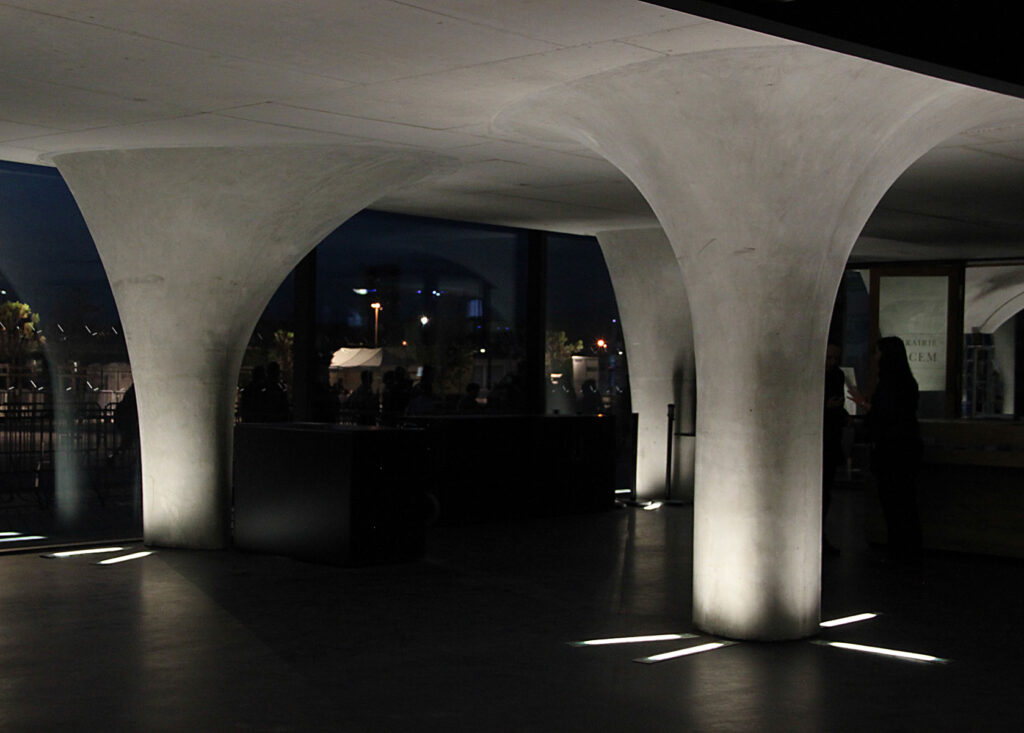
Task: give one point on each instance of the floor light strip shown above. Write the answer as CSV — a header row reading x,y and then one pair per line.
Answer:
x,y
124,558
22,538
9,534
847,620
684,652
652,506
89,551
633,639
913,656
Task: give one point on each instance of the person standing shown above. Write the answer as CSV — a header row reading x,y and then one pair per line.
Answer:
x,y
896,450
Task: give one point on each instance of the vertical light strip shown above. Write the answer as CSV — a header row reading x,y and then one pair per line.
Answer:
x,y
684,652
847,620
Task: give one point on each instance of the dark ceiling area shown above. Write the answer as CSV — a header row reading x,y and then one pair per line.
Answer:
x,y
975,42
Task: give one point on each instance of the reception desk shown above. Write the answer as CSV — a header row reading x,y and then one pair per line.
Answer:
x,y
970,488
359,495
340,494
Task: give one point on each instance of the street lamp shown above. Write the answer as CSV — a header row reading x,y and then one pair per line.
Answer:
x,y
376,321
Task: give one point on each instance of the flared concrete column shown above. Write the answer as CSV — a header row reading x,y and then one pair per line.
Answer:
x,y
762,166
655,319
195,242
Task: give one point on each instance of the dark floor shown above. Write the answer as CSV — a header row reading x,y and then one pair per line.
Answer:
x,y
473,638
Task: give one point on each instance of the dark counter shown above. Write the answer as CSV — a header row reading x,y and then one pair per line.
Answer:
x,y
339,494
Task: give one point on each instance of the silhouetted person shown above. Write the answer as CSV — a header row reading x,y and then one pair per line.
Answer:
x,y
126,421
423,401
590,401
395,396
467,402
274,403
896,449
835,420
364,401
324,403
561,397
251,398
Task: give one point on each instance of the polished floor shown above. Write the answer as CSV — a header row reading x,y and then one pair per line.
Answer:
x,y
474,638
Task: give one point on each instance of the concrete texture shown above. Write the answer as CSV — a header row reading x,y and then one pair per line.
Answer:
x,y
427,74
762,166
195,241
655,317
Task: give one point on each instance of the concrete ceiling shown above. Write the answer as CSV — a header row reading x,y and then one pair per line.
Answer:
x,y
427,74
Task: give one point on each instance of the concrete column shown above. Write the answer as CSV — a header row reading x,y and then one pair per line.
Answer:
x,y
762,166
656,326
195,242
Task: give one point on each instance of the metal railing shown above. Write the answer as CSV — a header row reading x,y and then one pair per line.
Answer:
x,y
81,442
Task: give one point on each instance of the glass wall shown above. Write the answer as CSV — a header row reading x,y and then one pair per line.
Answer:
x,y
961,324
416,305
68,447
425,316
404,313
585,359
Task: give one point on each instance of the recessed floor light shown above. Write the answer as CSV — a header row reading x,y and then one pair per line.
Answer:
x,y
912,656
124,558
22,538
700,648
633,639
847,620
89,551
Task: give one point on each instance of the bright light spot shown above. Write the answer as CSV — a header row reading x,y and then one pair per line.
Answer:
x,y
124,558
22,538
884,652
424,320
360,291
602,344
375,306
632,639
652,506
483,351
684,652
847,620
9,534
90,551
404,342
623,491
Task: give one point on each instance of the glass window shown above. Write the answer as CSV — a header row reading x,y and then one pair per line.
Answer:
x,y
68,444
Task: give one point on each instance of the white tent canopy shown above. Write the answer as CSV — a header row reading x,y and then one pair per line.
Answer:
x,y
348,358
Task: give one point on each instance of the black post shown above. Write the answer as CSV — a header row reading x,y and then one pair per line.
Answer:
x,y
668,452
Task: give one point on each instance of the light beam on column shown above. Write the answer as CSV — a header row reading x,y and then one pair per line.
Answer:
x,y
195,241
761,165
652,301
